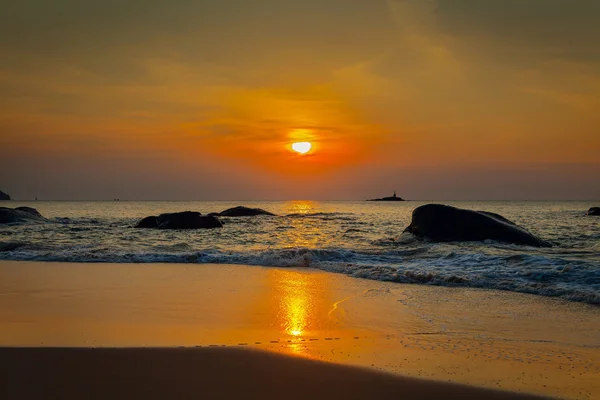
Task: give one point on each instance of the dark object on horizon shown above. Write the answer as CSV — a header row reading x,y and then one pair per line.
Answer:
x,y
594,211
181,220
442,223
20,214
242,211
391,198
4,196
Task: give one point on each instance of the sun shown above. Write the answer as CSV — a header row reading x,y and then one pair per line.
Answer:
x,y
302,147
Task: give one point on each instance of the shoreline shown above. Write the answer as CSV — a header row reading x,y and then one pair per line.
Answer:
x,y
418,279
348,238
485,338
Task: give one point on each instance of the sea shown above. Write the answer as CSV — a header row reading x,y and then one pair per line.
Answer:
x,y
357,238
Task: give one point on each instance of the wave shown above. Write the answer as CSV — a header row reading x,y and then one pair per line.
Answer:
x,y
422,264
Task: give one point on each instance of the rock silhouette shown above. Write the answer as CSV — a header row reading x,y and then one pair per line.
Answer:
x,y
594,211
443,223
4,196
20,215
180,220
148,222
242,211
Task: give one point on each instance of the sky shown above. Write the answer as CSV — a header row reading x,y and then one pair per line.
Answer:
x,y
202,99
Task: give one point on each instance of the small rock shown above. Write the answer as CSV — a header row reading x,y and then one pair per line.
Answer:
x,y
242,211
594,211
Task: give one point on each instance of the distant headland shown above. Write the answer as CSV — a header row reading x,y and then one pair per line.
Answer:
x,y
391,198
4,196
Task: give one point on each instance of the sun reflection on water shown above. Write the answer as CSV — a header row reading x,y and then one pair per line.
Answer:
x,y
301,207
306,226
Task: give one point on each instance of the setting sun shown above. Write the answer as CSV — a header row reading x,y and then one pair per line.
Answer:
x,y
302,147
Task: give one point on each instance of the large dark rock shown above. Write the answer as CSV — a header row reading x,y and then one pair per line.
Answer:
x,y
594,211
442,223
242,211
148,222
20,215
180,220
4,196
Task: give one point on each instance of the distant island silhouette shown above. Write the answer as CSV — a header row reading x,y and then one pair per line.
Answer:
x,y
391,198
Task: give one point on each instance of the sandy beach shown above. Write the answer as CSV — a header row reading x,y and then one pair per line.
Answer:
x,y
206,374
251,324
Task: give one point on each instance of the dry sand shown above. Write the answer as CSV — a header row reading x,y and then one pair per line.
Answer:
x,y
50,373
492,339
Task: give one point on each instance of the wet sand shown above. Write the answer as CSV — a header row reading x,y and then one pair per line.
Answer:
x,y
492,339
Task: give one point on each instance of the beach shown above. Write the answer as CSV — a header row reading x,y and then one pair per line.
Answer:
x,y
206,374
490,339
300,199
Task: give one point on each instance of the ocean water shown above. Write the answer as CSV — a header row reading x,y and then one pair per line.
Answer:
x,y
360,239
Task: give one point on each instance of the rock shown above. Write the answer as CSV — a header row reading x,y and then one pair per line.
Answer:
x,y
30,210
148,222
242,211
10,246
19,215
187,220
4,196
442,223
498,216
180,220
594,211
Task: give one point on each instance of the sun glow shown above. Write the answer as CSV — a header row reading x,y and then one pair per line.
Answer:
x,y
302,147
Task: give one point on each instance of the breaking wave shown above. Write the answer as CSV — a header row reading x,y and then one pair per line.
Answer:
x,y
577,281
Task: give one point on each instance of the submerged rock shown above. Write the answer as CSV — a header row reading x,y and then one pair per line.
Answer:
x,y
10,246
594,211
443,223
4,196
242,211
181,220
20,215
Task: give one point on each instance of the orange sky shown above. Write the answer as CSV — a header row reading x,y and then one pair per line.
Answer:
x,y
439,99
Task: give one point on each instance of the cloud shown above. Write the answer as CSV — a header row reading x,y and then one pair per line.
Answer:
x,y
225,86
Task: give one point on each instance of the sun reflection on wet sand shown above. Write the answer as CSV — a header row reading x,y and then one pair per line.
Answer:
x,y
300,306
